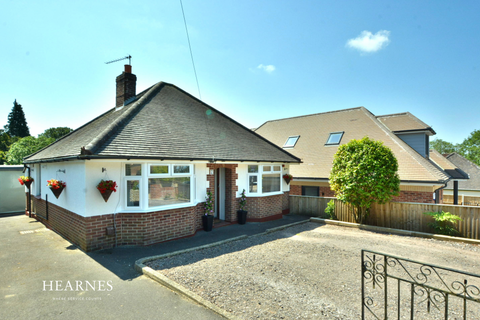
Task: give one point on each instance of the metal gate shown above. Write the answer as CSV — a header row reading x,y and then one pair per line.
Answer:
x,y
398,288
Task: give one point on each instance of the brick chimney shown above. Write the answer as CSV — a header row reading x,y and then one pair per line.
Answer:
x,y
126,86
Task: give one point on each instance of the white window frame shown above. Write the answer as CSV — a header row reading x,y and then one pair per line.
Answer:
x,y
294,143
341,133
259,174
143,182
125,195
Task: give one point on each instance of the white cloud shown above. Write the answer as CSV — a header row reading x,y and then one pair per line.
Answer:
x,y
368,42
269,68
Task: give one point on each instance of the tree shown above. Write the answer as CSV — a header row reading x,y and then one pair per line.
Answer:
x,y
26,146
55,133
5,142
17,125
364,172
470,147
443,146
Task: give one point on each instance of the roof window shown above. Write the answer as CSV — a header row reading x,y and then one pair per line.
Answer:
x,y
291,141
335,138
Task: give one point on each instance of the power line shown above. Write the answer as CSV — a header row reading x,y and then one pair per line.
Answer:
x,y
191,54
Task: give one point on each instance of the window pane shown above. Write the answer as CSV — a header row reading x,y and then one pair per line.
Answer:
x,y
159,169
267,168
133,169
181,169
133,193
167,191
270,183
253,169
335,138
252,183
310,191
291,141
276,168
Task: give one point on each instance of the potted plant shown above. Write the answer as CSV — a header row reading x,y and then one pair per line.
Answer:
x,y
106,187
242,213
207,218
56,186
287,177
27,181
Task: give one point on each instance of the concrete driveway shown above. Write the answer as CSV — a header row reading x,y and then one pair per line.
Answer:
x,y
34,260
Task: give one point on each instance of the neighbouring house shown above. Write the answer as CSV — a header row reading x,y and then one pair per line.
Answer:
x,y
315,139
165,149
468,190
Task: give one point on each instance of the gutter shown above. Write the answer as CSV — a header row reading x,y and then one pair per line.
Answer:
x,y
93,157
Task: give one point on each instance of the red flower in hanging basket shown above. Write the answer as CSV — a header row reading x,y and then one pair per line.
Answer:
x,y
24,180
287,177
56,184
105,185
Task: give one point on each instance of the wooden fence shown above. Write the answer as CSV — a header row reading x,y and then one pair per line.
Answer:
x,y
398,215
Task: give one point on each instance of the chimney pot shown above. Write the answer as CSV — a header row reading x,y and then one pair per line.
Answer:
x,y
128,68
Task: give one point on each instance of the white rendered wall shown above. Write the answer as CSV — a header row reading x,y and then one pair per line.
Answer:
x,y
95,204
73,196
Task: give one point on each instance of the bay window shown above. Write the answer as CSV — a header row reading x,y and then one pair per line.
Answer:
x,y
160,185
264,179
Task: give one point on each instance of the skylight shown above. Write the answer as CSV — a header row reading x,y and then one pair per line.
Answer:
x,y
291,141
335,138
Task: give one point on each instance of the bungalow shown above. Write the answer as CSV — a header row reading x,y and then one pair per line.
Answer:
x,y
165,149
315,138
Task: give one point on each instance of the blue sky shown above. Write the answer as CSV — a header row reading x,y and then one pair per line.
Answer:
x,y
255,60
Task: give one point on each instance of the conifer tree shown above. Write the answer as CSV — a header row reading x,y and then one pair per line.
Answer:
x,y
17,125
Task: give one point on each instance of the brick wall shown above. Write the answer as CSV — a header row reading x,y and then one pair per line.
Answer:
x,y
295,190
90,233
264,208
405,196
414,196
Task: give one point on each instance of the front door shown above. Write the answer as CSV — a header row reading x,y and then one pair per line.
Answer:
x,y
220,194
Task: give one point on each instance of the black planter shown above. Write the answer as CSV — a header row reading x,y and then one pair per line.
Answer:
x,y
242,216
207,223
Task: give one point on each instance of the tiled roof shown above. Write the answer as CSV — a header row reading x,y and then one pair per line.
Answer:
x,y
405,121
468,167
164,122
356,123
450,168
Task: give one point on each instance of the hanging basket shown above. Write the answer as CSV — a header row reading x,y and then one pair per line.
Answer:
x,y
28,183
287,179
106,194
57,192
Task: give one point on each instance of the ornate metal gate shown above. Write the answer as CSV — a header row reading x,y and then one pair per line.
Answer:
x,y
398,288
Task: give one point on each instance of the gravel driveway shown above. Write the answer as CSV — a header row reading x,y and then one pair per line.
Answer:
x,y
308,271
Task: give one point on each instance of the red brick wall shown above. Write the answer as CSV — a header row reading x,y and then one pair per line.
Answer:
x,y
405,196
264,208
132,228
295,190
414,196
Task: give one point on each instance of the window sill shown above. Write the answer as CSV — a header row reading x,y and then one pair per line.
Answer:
x,y
260,195
162,208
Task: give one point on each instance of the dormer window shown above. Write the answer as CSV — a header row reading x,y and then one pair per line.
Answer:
x,y
335,138
291,141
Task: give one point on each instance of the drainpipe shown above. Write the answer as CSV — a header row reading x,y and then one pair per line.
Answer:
x,y
455,192
437,193
29,201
